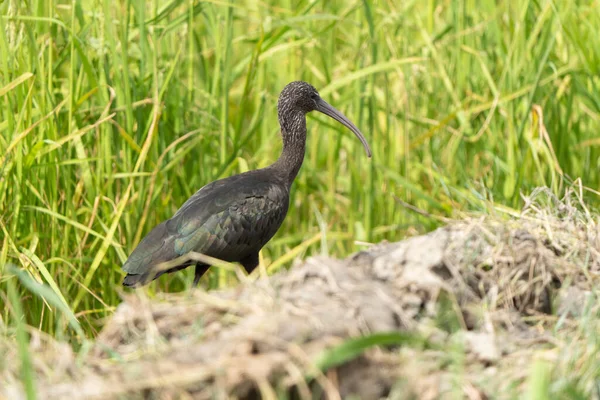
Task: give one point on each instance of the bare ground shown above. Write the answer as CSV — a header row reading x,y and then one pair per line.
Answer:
x,y
465,310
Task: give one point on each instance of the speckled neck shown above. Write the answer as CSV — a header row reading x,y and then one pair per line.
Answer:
x,y
293,134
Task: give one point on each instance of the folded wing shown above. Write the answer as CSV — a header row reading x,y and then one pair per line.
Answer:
x,y
227,219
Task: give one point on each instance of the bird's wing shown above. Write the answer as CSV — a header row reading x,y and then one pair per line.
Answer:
x,y
231,222
155,248
224,219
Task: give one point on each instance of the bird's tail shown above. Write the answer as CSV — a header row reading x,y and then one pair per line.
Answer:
x,y
136,280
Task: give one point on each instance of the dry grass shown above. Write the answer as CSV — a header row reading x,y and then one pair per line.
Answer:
x,y
490,307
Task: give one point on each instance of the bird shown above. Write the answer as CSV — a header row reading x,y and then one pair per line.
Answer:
x,y
231,219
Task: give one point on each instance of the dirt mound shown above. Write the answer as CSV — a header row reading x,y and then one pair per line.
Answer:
x,y
389,321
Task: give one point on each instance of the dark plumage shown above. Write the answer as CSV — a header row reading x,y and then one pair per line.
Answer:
x,y
233,218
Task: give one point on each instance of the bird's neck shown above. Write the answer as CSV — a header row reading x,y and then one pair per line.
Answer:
x,y
293,132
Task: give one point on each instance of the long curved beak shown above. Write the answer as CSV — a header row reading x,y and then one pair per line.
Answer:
x,y
329,110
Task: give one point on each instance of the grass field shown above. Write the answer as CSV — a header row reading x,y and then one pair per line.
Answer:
x,y
114,112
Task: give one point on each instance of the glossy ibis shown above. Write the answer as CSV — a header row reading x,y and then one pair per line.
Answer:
x,y
233,218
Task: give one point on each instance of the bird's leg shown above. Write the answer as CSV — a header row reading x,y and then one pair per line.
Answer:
x,y
200,270
250,262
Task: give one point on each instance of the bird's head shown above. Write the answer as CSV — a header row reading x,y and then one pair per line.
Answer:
x,y
301,97
298,96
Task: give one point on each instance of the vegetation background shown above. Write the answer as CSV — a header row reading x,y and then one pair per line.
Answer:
x,y
113,112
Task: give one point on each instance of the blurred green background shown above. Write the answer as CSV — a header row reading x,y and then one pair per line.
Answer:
x,y
114,112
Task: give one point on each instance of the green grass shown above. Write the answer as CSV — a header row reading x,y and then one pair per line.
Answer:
x,y
114,112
